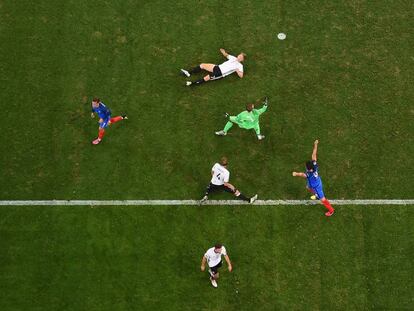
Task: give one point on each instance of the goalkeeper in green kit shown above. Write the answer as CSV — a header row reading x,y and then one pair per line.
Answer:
x,y
248,119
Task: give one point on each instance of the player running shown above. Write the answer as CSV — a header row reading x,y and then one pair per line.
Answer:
x,y
314,181
105,119
220,181
233,64
213,259
248,119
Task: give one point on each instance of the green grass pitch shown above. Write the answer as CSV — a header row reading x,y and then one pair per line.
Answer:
x,y
343,75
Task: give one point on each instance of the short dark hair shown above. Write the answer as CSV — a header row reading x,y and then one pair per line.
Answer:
x,y
310,165
218,245
249,107
96,100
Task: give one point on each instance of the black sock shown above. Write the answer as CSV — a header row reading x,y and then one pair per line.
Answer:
x,y
199,81
243,197
195,70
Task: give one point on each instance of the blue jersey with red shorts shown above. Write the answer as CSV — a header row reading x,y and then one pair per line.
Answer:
x,y
315,181
104,113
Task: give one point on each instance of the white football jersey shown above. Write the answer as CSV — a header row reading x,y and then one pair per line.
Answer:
x,y
220,175
213,258
230,66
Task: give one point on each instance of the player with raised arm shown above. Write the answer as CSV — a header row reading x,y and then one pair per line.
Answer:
x,y
233,64
248,119
220,181
213,258
314,181
105,119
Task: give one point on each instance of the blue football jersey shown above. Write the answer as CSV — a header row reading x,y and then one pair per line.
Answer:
x,y
102,111
314,180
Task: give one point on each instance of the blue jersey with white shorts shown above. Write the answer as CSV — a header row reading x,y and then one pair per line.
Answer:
x,y
315,181
104,113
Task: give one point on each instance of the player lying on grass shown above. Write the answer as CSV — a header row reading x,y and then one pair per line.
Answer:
x,y
105,119
248,119
314,181
220,181
213,259
233,64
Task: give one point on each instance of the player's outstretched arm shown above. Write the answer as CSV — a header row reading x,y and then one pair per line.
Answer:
x,y
228,263
315,150
298,174
239,73
203,264
223,51
264,107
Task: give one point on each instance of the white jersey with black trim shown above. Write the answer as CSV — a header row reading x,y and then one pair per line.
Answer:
x,y
230,66
213,258
220,175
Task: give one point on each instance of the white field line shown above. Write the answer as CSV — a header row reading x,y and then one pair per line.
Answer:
x,y
195,202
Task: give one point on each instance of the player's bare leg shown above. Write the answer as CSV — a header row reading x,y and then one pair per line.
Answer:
x,y
213,278
313,196
241,196
197,69
203,66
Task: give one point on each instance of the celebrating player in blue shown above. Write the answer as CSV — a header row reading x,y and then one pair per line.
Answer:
x,y
314,181
105,119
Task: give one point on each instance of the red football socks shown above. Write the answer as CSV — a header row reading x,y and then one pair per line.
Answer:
x,y
116,119
327,205
101,133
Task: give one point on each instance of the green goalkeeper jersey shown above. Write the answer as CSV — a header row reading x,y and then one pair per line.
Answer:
x,y
248,120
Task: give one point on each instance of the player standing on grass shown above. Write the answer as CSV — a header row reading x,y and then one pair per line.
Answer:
x,y
248,119
233,64
213,259
105,119
220,181
314,181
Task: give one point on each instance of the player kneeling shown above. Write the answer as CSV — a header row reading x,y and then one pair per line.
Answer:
x,y
220,181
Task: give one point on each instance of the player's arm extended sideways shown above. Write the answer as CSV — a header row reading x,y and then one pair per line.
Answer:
x,y
239,73
203,263
315,150
228,262
225,54
299,174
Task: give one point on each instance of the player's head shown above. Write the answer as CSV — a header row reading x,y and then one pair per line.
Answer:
x,y
310,166
241,57
224,161
95,101
249,107
217,247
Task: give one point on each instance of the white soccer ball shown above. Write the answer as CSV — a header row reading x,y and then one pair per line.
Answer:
x,y
281,36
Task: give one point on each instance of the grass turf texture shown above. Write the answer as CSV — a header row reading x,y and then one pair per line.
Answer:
x,y
343,75
148,258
